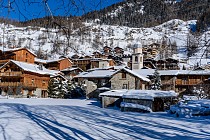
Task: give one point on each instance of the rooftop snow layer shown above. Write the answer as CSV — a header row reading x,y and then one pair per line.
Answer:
x,y
148,94
33,68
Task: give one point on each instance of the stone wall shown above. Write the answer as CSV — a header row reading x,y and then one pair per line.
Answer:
x,y
117,81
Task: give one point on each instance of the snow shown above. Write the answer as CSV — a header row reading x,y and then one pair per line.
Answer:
x,y
148,94
96,74
33,68
57,119
191,108
115,93
36,38
132,105
137,75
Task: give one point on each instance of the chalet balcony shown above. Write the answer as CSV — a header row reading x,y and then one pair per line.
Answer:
x,y
188,82
167,82
11,74
16,84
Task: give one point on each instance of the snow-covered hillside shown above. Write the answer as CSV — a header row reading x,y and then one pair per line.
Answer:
x,y
72,119
91,36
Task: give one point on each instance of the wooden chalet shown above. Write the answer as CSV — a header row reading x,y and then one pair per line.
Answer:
x,y
24,79
118,51
97,54
178,80
102,63
17,54
107,50
70,72
56,64
167,64
90,63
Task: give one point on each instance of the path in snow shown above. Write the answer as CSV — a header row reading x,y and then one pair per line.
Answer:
x,y
25,119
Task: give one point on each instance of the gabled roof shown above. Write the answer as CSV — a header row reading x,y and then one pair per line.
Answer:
x,y
135,74
71,69
32,68
15,49
96,74
147,72
49,61
149,94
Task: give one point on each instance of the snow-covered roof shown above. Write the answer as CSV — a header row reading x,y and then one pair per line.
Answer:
x,y
148,94
71,69
49,61
114,93
96,74
3,49
147,72
32,68
136,74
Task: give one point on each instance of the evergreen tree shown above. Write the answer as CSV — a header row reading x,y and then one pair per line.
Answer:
x,y
156,81
52,88
62,88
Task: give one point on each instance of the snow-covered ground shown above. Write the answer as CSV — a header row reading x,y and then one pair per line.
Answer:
x,y
48,119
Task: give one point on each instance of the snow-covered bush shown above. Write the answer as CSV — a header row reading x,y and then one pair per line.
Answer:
x,y
191,108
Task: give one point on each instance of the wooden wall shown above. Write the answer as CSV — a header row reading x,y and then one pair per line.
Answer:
x,y
24,55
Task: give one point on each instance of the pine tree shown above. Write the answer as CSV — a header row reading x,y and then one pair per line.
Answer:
x,y
52,88
156,81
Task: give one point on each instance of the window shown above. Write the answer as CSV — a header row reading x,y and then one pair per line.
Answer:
x,y
136,58
43,83
123,75
32,81
125,86
140,59
26,55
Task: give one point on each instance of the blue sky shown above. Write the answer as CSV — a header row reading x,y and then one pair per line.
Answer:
x,y
28,9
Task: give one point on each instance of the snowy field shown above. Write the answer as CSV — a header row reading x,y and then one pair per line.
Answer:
x,y
49,119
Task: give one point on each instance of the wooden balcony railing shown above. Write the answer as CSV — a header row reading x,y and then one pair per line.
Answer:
x,y
16,84
17,73
188,82
167,82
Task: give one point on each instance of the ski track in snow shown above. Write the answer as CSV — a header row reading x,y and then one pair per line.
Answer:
x,y
27,119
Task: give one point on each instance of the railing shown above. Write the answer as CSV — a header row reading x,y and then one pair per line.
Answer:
x,y
18,73
188,82
167,82
16,84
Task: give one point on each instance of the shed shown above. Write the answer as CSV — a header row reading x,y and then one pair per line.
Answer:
x,y
147,100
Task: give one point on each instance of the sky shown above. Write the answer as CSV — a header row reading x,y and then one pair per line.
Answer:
x,y
23,10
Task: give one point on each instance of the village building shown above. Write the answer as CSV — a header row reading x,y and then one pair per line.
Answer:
x,y
127,79
147,100
107,50
90,63
24,79
178,80
137,57
98,54
70,72
118,51
138,100
17,54
56,64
